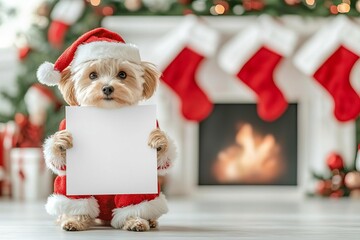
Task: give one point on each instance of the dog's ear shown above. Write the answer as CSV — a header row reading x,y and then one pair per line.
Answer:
x,y
151,77
67,88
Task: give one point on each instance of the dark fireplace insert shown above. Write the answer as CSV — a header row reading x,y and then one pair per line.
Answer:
x,y
239,148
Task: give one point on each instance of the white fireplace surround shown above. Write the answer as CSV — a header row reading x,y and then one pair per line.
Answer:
x,y
318,133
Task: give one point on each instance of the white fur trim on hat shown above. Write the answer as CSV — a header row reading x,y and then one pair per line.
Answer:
x,y
105,50
166,162
267,32
47,75
340,31
147,210
60,204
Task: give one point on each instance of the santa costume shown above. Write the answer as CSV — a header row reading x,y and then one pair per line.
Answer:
x,y
99,44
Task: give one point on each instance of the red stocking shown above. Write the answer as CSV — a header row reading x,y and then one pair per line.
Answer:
x,y
253,56
186,48
329,57
64,14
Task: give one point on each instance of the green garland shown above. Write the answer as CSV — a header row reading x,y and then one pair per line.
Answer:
x,y
271,7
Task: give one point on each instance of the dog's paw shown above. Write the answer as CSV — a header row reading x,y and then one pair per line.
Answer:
x,y
136,224
70,226
62,141
76,223
158,141
153,223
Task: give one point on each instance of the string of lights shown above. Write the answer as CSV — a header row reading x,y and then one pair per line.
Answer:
x,y
228,7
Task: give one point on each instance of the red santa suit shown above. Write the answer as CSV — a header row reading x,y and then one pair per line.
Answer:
x,y
97,44
114,208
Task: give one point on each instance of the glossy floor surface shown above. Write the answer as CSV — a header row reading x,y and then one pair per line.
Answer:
x,y
204,219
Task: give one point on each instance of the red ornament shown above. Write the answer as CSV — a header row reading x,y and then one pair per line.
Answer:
x,y
187,11
184,2
20,119
323,187
292,2
23,52
253,5
29,134
107,11
335,161
337,194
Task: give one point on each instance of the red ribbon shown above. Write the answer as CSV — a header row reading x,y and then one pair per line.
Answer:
x,y
29,135
21,175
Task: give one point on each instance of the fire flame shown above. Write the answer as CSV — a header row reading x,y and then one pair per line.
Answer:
x,y
254,158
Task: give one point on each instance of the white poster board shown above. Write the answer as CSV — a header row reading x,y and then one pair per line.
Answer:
x,y
110,153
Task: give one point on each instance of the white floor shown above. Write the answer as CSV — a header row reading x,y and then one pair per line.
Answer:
x,y
306,219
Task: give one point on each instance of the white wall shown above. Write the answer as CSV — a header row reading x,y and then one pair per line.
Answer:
x,y
8,72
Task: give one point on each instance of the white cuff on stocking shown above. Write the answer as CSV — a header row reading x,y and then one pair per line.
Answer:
x,y
68,11
190,33
266,32
340,31
203,39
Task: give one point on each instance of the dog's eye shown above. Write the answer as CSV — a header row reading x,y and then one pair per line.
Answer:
x,y
122,75
93,75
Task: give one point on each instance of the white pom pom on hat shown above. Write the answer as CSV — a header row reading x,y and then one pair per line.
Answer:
x,y
47,75
99,43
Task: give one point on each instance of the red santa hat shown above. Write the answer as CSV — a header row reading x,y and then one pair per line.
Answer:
x,y
99,43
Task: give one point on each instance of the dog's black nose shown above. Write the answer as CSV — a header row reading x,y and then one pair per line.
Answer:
x,y
107,90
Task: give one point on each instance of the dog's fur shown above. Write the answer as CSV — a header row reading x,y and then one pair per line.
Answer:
x,y
79,90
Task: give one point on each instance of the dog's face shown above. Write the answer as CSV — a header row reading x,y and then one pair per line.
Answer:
x,y
108,83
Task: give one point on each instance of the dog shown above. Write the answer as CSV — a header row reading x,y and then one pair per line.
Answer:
x,y
112,80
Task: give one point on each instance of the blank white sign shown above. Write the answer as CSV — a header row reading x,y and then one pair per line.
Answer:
x,y
110,154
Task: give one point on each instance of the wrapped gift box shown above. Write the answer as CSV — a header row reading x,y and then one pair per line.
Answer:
x,y
7,135
30,179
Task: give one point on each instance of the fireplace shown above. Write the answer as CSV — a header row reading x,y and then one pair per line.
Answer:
x,y
236,147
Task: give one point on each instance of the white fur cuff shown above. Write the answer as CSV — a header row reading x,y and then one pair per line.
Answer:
x,y
147,210
50,159
60,204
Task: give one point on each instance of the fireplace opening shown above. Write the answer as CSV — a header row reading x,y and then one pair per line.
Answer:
x,y
236,147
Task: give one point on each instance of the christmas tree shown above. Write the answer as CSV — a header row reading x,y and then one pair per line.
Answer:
x,y
36,49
